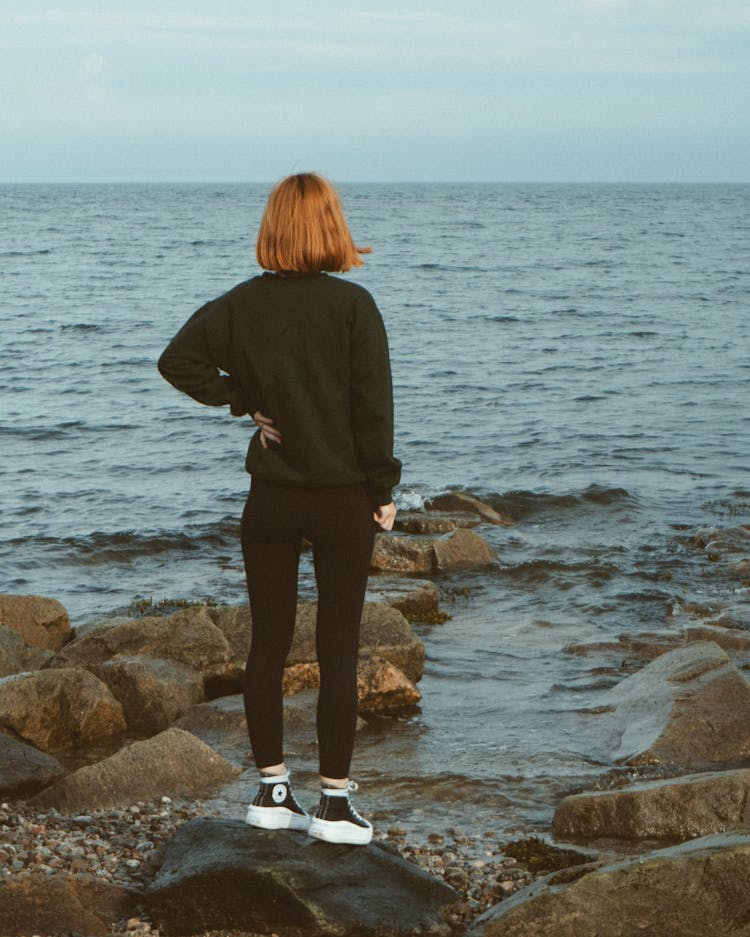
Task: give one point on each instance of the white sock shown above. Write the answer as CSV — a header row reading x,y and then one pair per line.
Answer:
x,y
275,778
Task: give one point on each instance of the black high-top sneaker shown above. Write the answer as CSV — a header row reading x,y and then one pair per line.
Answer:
x,y
275,806
336,821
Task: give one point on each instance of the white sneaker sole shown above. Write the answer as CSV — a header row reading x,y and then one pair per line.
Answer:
x,y
276,818
339,831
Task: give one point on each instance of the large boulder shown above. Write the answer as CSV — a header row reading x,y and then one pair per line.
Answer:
x,y
676,809
173,763
62,903
403,553
189,637
16,655
690,706
153,692
23,769
59,709
383,632
691,890
460,501
219,873
40,621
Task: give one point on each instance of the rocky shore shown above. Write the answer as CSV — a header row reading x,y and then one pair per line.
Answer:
x,y
124,764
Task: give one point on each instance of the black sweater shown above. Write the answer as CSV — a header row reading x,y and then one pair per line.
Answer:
x,y
311,353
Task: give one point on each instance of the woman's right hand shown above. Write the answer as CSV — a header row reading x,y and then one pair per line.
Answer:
x,y
385,516
268,432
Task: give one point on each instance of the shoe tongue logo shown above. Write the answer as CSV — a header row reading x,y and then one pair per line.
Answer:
x,y
279,793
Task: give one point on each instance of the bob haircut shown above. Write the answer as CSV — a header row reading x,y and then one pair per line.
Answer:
x,y
303,229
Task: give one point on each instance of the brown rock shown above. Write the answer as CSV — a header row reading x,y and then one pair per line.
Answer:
x,y
235,623
16,655
691,890
173,763
675,809
419,522
459,501
690,706
381,686
189,637
401,553
40,621
730,639
59,709
462,548
411,597
61,903
153,692
24,770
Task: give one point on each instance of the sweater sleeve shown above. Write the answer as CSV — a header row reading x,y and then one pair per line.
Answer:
x,y
372,402
198,360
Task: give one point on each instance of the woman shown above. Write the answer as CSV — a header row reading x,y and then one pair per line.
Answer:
x,y
307,355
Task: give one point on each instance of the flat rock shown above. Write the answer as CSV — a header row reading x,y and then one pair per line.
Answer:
x,y
690,706
173,763
404,553
61,903
189,636
153,692
460,501
221,873
24,770
384,632
40,621
59,709
675,809
691,890
412,597
16,655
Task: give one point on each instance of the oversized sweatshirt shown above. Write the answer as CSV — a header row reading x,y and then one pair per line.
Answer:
x,y
311,353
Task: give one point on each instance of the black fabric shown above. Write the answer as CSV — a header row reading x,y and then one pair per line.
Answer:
x,y
338,522
309,352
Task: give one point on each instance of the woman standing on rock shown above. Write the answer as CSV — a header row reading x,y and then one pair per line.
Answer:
x,y
307,355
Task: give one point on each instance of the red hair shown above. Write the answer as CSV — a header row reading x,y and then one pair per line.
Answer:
x,y
303,229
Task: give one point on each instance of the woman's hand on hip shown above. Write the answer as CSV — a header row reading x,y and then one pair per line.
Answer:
x,y
385,516
268,432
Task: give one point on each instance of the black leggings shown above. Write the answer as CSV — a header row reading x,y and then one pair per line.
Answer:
x,y
339,524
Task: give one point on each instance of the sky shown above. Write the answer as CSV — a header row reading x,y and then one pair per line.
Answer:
x,y
530,91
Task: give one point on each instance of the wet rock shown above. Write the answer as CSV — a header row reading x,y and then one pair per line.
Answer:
x,y
59,709
61,903
235,623
380,685
402,553
23,769
220,874
189,637
690,890
384,632
676,809
153,692
17,656
736,640
460,501
690,706
40,621
414,598
433,522
173,763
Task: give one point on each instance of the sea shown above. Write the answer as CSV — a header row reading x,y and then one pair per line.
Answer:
x,y
575,355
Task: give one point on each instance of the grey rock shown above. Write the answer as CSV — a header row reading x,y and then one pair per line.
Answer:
x,y
221,873
59,709
24,770
690,706
412,597
691,890
675,809
16,655
153,692
173,763
40,621
453,501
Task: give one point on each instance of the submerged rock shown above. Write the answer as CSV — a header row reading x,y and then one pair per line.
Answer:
x,y
691,890
690,706
24,769
460,501
223,874
173,763
59,709
674,809
40,621
61,903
